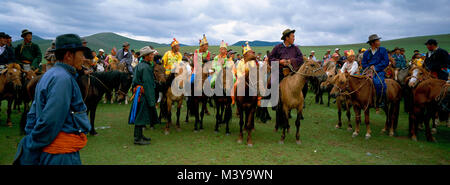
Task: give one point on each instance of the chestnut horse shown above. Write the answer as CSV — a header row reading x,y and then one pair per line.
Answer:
x,y
291,96
180,78
428,93
10,85
223,102
342,101
361,91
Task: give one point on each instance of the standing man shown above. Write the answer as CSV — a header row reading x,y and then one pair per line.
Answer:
x,y
57,122
145,112
377,58
124,56
28,54
6,53
436,60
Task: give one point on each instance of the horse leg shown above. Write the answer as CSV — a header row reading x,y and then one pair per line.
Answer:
x,y
241,123
285,123
297,124
202,113
92,111
339,106
8,112
216,128
357,120
435,122
188,110
195,105
227,118
387,123
250,125
394,117
180,103
347,105
169,116
430,113
367,121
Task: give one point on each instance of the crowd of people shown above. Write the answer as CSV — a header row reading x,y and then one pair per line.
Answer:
x,y
57,121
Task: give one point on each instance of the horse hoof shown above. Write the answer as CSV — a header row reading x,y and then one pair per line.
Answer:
x,y
239,141
250,145
391,134
433,131
337,127
166,133
227,134
299,142
383,131
349,129
414,138
368,136
354,134
195,131
280,142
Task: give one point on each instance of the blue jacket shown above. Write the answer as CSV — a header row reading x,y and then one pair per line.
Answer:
x,y
400,61
58,107
380,59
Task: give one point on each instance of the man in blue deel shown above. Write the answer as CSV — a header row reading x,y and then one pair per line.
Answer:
x,y
376,58
57,122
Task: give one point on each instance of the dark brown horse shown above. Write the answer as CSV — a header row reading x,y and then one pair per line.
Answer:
x,y
10,85
25,97
291,96
195,101
223,102
342,102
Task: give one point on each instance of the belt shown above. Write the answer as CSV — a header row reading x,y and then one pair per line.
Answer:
x,y
65,143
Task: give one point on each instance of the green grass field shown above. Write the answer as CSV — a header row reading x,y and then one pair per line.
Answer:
x,y
322,143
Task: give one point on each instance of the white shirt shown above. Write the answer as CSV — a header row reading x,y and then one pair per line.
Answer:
x,y
2,49
313,58
353,68
373,51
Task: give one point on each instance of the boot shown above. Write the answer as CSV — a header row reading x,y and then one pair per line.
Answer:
x,y
139,137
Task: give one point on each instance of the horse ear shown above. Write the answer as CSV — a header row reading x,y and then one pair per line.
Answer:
x,y
3,71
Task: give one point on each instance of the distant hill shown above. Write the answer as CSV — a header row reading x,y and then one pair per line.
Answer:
x,y
256,43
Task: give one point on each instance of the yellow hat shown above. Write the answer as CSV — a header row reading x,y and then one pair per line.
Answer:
x,y
363,49
174,42
203,41
223,45
245,49
350,52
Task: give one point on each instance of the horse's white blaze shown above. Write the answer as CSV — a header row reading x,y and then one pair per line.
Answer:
x,y
413,79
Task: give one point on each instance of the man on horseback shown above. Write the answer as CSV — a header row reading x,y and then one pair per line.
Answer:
x,y
220,62
200,55
172,58
28,54
376,58
124,56
57,122
6,53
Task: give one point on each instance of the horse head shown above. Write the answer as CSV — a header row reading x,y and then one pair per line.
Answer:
x,y
312,69
160,73
29,75
124,86
341,84
417,75
13,75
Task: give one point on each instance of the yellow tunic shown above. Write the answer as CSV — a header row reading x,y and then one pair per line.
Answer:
x,y
171,59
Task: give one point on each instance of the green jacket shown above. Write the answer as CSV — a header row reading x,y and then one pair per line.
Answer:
x,y
30,52
143,75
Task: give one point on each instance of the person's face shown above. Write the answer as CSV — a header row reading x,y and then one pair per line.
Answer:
x,y
53,46
75,59
9,40
328,52
351,58
84,44
2,41
431,47
402,52
28,37
100,53
336,58
176,48
397,52
233,55
291,38
149,57
126,47
376,43
250,55
94,54
312,54
223,51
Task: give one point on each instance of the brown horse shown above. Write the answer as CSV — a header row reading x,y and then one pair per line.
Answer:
x,y
10,85
25,97
171,98
327,85
427,93
342,101
361,91
195,101
291,95
223,103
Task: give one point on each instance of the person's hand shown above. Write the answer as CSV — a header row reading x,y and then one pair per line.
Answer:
x,y
283,62
372,67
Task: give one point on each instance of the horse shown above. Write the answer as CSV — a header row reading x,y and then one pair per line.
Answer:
x,y
10,85
25,96
95,85
361,91
195,101
326,86
427,93
342,101
115,66
161,88
223,103
291,96
171,98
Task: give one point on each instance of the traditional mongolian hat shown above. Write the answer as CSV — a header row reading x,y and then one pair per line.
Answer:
x,y
203,41
245,49
223,45
174,42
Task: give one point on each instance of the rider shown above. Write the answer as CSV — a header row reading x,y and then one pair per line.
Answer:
x,y
350,65
173,57
220,62
376,58
28,54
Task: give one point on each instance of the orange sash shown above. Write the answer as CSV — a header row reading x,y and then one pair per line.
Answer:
x,y
65,143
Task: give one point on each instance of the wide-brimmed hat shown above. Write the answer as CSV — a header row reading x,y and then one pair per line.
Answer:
x,y
25,32
101,50
286,33
125,44
373,38
145,51
2,35
69,41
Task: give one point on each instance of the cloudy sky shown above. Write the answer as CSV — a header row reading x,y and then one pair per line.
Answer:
x,y
318,22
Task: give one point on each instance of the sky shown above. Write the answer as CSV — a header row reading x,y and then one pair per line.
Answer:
x,y
317,22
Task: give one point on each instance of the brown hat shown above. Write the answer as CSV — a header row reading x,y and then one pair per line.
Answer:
x,y
25,32
373,38
286,33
